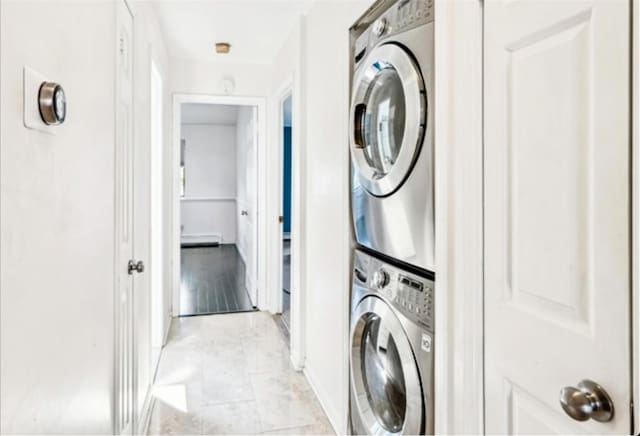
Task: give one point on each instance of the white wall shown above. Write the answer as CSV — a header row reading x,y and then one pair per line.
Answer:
x,y
57,223
327,235
193,77
210,165
246,167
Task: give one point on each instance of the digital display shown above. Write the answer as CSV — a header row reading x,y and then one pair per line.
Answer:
x,y
411,283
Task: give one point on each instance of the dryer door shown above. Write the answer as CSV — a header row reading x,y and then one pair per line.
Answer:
x,y
388,118
386,392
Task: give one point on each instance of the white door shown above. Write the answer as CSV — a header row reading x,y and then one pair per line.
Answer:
x,y
252,216
556,212
125,398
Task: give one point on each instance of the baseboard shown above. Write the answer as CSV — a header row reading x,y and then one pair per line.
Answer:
x,y
332,415
145,415
296,360
203,238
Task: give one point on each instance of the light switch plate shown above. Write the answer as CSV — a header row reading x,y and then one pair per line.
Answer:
x,y
31,112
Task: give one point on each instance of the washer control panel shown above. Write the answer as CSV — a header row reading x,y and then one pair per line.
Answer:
x,y
409,293
415,298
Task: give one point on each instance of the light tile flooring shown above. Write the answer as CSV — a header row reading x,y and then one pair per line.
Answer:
x,y
231,374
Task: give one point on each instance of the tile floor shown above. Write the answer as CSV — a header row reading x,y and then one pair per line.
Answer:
x,y
231,374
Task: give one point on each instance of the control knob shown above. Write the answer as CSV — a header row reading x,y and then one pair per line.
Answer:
x,y
380,26
380,278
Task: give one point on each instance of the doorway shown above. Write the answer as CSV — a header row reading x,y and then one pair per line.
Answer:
x,y
216,204
217,208
286,211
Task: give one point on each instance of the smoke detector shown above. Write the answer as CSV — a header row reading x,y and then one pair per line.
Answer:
x,y
223,47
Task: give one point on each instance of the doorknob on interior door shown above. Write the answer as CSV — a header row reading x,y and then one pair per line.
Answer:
x,y
244,213
588,401
134,266
280,219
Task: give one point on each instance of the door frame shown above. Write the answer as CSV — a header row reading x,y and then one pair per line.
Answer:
x,y
635,209
260,229
285,92
459,326
289,87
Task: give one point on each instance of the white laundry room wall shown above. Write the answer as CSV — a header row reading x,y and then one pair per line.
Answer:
x,y
208,208
326,181
57,223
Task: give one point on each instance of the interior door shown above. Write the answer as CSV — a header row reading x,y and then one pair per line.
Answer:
x,y
125,397
556,214
252,216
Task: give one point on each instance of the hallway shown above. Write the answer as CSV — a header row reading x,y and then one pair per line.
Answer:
x,y
230,374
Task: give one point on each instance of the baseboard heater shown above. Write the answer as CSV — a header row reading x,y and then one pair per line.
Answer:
x,y
200,240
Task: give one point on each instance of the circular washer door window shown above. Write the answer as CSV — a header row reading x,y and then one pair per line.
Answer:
x,y
385,381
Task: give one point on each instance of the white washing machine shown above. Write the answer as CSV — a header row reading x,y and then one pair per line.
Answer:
x,y
391,349
391,131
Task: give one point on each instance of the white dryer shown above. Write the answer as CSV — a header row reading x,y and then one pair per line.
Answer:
x,y
391,131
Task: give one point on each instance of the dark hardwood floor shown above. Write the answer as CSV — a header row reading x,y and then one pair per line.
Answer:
x,y
213,281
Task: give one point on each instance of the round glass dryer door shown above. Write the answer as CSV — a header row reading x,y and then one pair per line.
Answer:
x,y
388,118
385,383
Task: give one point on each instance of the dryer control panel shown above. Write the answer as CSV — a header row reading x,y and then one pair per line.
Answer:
x,y
402,16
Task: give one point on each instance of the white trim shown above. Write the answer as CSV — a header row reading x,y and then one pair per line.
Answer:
x,y
260,103
220,199
459,218
290,87
635,210
201,237
284,91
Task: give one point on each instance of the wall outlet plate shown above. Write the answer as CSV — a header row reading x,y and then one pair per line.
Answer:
x,y
31,112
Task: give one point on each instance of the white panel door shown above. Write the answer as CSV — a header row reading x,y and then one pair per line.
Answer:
x,y
556,211
125,348
252,216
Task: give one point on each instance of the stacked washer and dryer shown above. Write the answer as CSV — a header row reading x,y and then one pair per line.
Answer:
x,y
392,295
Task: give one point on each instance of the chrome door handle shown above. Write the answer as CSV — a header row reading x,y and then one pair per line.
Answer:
x,y
134,266
244,213
588,401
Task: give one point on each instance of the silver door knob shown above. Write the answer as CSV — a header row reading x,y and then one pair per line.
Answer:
x,y
588,401
134,266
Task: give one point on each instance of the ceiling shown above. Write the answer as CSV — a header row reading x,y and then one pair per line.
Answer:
x,y
199,113
256,29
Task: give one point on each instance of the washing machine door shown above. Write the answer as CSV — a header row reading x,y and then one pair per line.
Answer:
x,y
387,119
386,393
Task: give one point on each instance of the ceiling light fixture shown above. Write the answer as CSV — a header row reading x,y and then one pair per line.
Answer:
x,y
223,47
